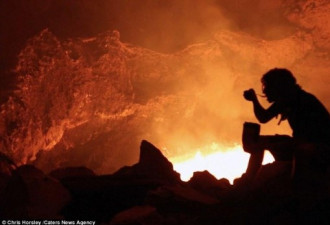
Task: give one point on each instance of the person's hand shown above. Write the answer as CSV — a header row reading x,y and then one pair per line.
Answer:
x,y
250,95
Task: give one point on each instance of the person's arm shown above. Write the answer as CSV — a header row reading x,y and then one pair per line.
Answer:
x,y
263,115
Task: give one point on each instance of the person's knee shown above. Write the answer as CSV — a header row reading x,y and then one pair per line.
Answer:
x,y
280,146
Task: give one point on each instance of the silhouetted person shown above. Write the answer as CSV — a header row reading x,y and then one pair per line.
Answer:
x,y
309,119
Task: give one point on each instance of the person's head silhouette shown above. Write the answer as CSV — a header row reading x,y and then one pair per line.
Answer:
x,y
278,84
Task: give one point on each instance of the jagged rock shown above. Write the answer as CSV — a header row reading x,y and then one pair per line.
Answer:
x,y
152,165
208,184
102,197
71,172
33,195
152,157
144,215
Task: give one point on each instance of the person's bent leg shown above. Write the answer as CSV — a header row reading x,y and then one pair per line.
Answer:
x,y
254,164
280,146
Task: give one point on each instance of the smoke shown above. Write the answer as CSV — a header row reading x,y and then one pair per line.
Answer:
x,y
174,73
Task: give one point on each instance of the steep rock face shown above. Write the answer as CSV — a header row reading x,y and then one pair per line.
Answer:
x,y
54,95
89,102
79,95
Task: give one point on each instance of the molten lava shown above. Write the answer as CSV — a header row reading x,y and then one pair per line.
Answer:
x,y
223,162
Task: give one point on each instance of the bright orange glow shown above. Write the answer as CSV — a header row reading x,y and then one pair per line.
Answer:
x,y
223,162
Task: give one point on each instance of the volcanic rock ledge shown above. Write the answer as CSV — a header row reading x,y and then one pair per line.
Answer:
x,y
151,193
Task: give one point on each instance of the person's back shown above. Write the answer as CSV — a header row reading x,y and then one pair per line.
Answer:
x,y
309,119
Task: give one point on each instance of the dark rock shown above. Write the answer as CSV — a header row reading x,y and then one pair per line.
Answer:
x,y
102,197
208,184
183,205
152,165
71,172
6,168
33,195
146,215
151,193
29,172
180,198
150,155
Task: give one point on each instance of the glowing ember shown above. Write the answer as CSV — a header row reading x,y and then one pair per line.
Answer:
x,y
229,163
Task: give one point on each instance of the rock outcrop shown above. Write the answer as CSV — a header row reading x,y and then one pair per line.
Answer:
x,y
62,173
102,197
208,184
29,193
150,192
152,165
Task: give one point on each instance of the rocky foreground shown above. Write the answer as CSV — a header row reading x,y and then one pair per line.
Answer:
x,y
151,193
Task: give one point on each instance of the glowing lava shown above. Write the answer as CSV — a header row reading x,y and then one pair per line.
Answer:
x,y
227,162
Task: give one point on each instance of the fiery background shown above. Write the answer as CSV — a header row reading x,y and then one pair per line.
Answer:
x,y
83,82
